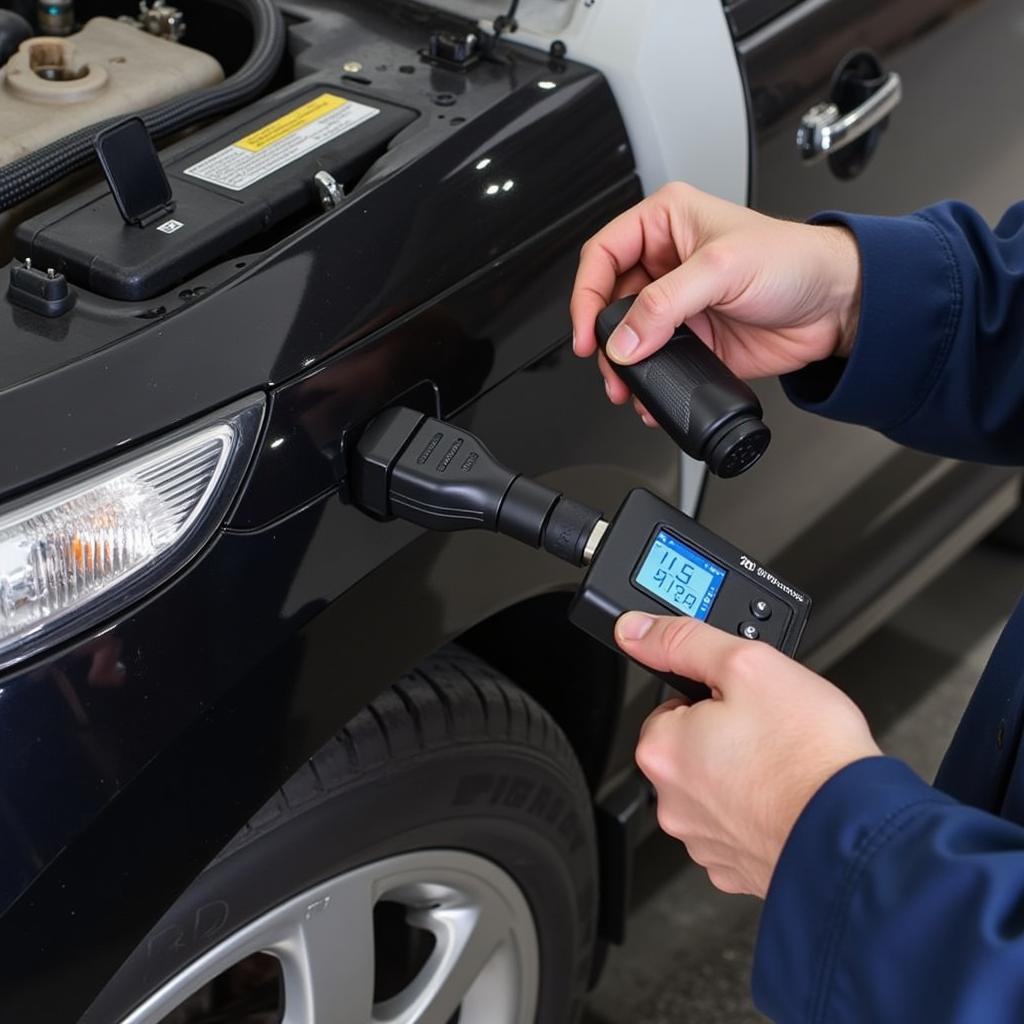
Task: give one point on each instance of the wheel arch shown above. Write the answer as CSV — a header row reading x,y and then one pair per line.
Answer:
x,y
577,681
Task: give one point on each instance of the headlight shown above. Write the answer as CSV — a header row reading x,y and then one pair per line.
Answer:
x,y
89,547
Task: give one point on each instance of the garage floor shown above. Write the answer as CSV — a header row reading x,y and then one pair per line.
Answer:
x,y
688,958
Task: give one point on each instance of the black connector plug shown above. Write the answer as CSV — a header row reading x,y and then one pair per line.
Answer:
x,y
412,467
45,292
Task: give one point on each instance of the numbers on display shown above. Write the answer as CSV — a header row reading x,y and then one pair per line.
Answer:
x,y
675,578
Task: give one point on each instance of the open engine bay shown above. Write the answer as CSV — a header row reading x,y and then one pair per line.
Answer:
x,y
267,117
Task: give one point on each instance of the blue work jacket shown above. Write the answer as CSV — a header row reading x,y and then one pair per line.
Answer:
x,y
895,900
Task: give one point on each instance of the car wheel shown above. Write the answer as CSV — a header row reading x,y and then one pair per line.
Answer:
x,y
435,862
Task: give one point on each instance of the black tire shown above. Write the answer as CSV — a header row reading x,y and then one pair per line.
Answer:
x,y
452,756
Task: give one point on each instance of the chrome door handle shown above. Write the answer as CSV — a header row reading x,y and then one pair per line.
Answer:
x,y
824,130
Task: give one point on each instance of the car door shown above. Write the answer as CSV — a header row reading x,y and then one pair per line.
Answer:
x,y
854,519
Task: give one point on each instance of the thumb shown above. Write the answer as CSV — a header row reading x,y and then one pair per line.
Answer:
x,y
679,644
666,303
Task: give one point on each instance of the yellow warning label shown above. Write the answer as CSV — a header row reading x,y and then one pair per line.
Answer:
x,y
291,122
282,142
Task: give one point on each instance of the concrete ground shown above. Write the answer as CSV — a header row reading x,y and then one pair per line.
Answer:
x,y
690,948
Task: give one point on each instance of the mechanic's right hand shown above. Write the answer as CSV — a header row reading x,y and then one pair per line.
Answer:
x,y
768,296
734,773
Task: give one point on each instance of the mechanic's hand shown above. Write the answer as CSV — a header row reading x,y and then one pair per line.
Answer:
x,y
733,773
768,296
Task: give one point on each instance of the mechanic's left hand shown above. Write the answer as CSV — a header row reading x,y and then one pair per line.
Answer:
x,y
734,773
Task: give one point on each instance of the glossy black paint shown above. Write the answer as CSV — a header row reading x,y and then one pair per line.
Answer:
x,y
130,755
341,277
486,328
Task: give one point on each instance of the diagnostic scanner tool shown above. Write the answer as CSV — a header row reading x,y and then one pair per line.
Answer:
x,y
654,558
650,557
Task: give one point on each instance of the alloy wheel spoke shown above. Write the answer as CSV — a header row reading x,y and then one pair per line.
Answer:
x,y
329,959
467,937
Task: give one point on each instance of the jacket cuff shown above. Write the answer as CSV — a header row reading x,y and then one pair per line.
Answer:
x,y
910,310
847,822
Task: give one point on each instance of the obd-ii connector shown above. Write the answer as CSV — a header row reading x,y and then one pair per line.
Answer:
x,y
410,466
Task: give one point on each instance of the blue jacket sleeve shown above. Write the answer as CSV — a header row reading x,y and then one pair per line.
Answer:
x,y
938,362
893,902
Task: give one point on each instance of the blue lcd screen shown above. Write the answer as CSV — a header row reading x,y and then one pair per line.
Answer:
x,y
679,576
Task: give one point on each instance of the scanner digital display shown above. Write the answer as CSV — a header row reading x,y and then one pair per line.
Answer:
x,y
679,577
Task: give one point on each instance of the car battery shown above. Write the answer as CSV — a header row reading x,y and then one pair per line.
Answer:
x,y
227,190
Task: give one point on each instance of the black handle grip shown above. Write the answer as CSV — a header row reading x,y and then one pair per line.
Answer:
x,y
696,399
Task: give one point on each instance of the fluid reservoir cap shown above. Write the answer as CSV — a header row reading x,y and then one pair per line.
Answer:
x,y
47,70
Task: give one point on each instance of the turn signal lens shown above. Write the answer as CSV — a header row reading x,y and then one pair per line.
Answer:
x,y
61,555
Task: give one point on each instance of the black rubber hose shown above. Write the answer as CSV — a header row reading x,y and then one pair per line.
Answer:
x,y
14,30
23,178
